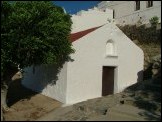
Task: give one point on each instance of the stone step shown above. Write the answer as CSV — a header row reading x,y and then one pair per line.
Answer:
x,y
126,109
120,113
125,112
115,116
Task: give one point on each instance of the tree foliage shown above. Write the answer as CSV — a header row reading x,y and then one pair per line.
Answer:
x,y
154,21
34,33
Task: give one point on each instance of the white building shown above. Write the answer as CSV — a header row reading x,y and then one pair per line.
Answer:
x,y
105,62
132,12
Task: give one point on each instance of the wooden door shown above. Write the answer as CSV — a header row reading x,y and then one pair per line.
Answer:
x,y
107,80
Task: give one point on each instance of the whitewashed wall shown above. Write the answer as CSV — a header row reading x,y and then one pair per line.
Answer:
x,y
84,74
125,11
44,80
82,79
90,19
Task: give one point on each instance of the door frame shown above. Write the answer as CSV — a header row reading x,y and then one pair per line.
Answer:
x,y
115,77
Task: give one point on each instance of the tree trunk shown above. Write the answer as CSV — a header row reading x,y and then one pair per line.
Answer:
x,y
9,77
3,100
4,96
1,114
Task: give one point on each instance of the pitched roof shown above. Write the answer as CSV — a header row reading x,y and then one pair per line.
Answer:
x,y
78,35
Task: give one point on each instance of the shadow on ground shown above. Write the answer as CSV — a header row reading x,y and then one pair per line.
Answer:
x,y
147,96
17,92
27,105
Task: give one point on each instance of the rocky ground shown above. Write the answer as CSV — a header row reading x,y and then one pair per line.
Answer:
x,y
137,103
141,101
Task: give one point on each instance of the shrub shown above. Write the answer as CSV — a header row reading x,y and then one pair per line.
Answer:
x,y
154,21
142,34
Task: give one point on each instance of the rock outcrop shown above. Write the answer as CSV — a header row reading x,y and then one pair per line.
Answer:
x,y
156,69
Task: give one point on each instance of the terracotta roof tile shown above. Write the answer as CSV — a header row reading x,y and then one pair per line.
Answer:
x,y
76,36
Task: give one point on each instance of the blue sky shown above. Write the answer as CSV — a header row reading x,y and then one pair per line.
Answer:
x,y
72,7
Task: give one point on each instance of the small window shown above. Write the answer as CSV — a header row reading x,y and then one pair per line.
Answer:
x,y
149,4
137,5
110,48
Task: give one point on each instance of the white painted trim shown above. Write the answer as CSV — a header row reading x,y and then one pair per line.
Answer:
x,y
116,79
115,56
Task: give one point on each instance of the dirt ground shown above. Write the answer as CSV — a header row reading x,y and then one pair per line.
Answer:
x,y
26,105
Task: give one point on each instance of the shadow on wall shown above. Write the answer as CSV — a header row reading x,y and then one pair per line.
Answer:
x,y
140,76
135,86
41,76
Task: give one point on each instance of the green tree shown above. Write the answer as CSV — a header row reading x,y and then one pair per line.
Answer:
x,y
154,21
33,33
